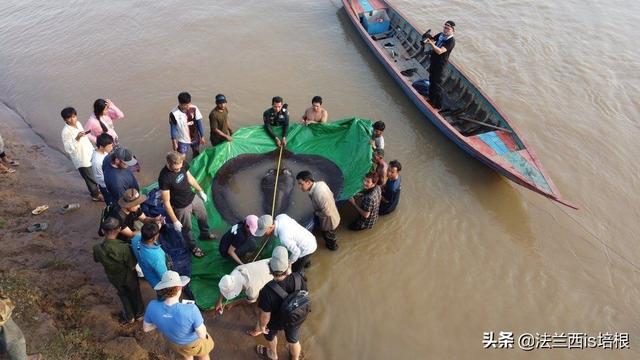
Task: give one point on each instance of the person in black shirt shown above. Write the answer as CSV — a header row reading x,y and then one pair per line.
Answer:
x,y
391,190
175,182
240,239
276,115
128,210
269,303
442,45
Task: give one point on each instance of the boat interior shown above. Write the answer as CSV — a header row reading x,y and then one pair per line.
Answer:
x,y
462,106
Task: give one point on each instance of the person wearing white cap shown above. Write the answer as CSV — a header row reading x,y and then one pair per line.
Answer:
x,y
182,324
248,278
270,301
240,240
299,241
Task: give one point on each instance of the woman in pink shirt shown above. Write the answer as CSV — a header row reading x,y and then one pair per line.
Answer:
x,y
104,112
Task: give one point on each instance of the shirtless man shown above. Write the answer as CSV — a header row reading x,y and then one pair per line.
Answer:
x,y
315,114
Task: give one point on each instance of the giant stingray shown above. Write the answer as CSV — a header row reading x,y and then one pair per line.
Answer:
x,y
244,185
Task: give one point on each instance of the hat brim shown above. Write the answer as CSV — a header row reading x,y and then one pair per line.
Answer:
x,y
131,162
260,232
138,201
234,291
184,280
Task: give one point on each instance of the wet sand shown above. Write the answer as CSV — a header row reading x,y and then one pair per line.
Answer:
x,y
57,286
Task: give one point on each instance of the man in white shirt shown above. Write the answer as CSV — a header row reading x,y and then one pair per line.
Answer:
x,y
104,142
299,241
185,121
79,149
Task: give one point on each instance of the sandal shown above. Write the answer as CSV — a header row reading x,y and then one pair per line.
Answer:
x,y
14,163
262,352
37,227
98,198
65,209
40,209
7,170
197,252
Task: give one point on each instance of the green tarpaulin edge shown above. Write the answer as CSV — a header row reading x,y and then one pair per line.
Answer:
x,y
345,142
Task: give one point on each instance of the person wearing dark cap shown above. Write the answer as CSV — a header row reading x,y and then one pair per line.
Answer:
x,y
277,115
117,176
128,211
219,122
119,264
442,44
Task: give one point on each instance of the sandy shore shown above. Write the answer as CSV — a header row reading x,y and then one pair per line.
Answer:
x,y
65,305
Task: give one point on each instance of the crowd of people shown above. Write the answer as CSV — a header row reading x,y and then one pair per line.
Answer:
x,y
108,169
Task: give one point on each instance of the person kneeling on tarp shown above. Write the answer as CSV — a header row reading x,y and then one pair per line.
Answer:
x,y
239,241
248,278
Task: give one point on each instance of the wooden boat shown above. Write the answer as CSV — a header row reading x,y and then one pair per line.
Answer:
x,y
468,117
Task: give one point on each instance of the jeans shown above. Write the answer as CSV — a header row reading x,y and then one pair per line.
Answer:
x,y
184,216
87,175
194,145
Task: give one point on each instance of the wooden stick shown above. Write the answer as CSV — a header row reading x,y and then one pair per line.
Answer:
x,y
464,118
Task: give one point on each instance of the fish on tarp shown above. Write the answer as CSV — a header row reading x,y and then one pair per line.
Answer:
x,y
244,185
283,195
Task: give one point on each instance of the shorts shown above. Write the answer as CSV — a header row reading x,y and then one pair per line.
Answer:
x,y
199,347
291,333
183,148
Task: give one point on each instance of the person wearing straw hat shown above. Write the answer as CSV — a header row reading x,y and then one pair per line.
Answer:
x,y
248,278
181,323
269,302
119,264
128,211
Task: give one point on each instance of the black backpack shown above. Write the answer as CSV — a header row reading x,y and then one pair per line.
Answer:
x,y
295,305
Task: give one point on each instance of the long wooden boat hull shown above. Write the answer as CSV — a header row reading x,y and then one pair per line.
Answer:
x,y
469,118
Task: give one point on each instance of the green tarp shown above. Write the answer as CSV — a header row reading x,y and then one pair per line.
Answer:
x,y
344,142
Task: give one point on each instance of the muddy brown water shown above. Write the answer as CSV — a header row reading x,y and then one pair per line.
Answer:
x,y
467,252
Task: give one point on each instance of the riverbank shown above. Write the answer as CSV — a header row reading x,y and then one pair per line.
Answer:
x,y
64,303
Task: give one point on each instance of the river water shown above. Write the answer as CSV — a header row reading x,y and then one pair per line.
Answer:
x,y
467,251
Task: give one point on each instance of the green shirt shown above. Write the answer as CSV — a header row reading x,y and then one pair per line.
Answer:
x,y
117,259
219,120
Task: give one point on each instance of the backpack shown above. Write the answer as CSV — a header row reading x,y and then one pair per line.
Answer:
x,y
103,217
295,305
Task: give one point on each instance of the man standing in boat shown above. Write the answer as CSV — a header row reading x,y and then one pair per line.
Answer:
x,y
277,115
442,45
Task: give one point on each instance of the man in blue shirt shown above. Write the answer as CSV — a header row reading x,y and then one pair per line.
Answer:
x,y
151,258
117,177
391,190
181,323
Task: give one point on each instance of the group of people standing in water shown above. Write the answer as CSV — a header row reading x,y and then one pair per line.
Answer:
x,y
107,172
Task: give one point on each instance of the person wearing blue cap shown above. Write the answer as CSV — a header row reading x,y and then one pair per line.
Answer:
x,y
442,45
219,122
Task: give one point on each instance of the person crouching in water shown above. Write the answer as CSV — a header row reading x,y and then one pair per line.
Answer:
x,y
324,206
369,204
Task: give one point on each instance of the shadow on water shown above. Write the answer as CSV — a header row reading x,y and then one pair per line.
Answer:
x,y
499,196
